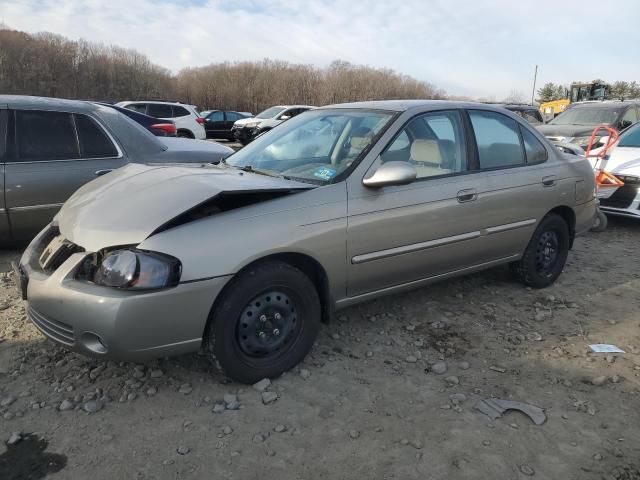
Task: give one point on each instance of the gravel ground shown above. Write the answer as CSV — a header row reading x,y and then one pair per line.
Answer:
x,y
389,390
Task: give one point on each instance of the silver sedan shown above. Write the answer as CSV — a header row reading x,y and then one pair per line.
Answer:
x,y
339,205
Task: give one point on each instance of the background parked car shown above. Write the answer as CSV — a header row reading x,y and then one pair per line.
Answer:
x,y
186,117
624,163
530,113
160,128
218,123
576,123
247,129
50,147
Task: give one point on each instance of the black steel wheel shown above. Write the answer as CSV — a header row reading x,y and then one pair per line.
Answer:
x,y
546,254
264,322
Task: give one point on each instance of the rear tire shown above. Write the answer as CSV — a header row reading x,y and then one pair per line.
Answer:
x,y
185,134
599,222
264,323
546,254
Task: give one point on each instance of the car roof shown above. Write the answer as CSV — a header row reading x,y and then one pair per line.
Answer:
x,y
47,103
157,102
406,105
517,106
294,106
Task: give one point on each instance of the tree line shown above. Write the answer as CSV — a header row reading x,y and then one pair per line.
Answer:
x,y
617,90
50,65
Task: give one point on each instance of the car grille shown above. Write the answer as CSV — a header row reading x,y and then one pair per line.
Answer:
x,y
54,329
53,251
623,196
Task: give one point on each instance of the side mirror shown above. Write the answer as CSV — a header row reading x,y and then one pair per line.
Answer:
x,y
285,117
391,173
625,123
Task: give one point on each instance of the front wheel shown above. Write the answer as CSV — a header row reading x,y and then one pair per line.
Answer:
x,y
546,254
265,322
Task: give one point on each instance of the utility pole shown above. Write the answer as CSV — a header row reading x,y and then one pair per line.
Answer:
x,y
535,77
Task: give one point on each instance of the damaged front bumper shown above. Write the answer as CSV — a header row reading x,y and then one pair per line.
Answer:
x,y
111,323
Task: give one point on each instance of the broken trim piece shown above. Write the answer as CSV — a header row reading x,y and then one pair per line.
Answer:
x,y
495,407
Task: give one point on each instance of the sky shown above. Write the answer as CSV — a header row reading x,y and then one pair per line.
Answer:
x,y
475,48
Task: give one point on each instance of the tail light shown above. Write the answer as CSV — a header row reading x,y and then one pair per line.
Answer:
x,y
200,120
168,128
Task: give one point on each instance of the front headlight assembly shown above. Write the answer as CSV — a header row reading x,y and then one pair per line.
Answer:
x,y
584,141
132,269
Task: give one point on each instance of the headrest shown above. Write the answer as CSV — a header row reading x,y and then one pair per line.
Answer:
x,y
426,151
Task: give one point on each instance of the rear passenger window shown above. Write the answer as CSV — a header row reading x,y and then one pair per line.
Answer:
x,y
42,135
180,112
159,110
433,143
94,142
535,151
497,139
137,107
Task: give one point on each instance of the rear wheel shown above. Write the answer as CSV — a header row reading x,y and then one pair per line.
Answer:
x,y
265,322
185,134
546,254
599,222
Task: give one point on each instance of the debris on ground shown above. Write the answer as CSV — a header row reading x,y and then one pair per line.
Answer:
x,y
495,407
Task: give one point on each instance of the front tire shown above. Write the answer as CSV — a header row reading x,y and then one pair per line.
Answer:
x,y
546,254
264,323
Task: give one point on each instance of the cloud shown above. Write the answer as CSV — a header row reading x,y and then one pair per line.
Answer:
x,y
467,47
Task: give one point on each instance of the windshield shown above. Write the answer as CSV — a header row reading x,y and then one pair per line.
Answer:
x,y
270,112
630,138
587,116
315,146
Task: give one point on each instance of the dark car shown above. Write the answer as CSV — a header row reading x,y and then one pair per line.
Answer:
x,y
160,128
576,124
50,147
530,113
218,123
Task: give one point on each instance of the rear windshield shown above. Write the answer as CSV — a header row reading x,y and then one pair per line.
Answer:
x,y
630,138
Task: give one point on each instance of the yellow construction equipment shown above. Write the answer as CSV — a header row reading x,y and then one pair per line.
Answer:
x,y
578,92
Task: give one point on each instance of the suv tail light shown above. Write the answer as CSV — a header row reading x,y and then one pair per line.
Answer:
x,y
200,120
167,128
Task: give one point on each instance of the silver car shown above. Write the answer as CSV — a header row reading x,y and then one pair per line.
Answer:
x,y
339,205
49,147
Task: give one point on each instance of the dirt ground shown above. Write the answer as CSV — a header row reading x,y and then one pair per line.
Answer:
x,y
367,402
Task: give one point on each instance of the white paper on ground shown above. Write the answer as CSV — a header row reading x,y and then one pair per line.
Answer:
x,y
605,348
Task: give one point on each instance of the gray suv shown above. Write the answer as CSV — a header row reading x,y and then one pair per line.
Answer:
x,y
336,206
50,147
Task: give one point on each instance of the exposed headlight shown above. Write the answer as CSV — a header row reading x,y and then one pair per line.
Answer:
x,y
135,270
585,140
252,124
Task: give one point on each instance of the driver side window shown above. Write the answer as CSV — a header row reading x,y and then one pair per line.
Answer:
x,y
433,143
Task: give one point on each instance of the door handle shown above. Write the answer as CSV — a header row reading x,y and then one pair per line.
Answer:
x,y
467,195
549,181
102,172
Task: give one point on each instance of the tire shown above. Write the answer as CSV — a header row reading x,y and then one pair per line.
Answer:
x,y
599,222
546,254
264,323
185,134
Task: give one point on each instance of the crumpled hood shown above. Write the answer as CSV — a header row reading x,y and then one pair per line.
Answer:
x,y
566,131
244,121
126,206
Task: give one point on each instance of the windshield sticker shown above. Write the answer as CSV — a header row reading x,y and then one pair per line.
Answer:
x,y
324,173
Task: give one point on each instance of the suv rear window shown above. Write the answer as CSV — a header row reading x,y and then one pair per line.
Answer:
x,y
94,142
180,111
43,135
159,110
